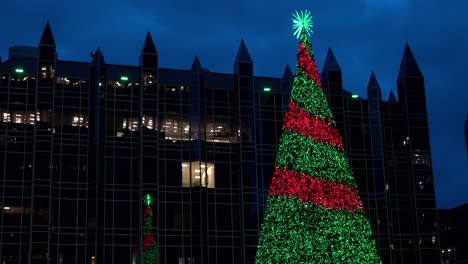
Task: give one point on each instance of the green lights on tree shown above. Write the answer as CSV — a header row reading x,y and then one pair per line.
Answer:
x,y
266,89
19,70
305,233
302,21
148,199
149,248
124,78
355,96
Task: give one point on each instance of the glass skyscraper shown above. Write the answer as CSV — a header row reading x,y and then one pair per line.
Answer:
x,y
81,143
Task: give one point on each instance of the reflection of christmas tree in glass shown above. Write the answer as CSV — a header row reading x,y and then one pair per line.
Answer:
x,y
314,213
150,251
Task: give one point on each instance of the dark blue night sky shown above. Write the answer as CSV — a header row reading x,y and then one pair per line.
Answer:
x,y
365,35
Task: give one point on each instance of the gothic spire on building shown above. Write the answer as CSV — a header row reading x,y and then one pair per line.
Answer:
x,y
243,60
330,62
409,66
196,65
330,65
98,58
287,74
243,54
47,37
392,97
149,47
373,88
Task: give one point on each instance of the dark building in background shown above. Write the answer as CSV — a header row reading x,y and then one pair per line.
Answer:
x,y
454,234
466,135
81,143
387,143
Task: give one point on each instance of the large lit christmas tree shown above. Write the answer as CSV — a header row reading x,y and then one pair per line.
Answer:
x,y
150,250
314,213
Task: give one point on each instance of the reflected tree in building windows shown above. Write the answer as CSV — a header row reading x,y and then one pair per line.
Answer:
x,y
149,249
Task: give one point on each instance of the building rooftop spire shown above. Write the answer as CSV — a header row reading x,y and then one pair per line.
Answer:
x,y
196,65
243,54
98,58
287,74
330,62
408,66
373,83
47,37
373,88
149,47
392,97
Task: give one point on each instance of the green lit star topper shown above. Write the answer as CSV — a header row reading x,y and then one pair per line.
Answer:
x,y
302,21
148,199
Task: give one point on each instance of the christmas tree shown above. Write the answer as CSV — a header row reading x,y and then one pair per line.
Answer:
x,y
313,213
150,251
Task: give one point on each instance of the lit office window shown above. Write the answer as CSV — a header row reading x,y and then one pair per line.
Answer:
x,y
130,123
198,173
221,131
47,71
21,117
134,124
6,117
421,185
175,128
421,158
18,118
78,121
150,123
31,119
148,79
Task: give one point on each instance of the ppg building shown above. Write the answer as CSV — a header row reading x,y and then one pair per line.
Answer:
x,y
81,144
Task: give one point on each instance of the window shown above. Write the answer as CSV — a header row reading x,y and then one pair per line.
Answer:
x,y
219,130
198,173
421,185
186,261
149,79
175,127
20,117
6,117
47,71
148,121
79,121
130,123
421,158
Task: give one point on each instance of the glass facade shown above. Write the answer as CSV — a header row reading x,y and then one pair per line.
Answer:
x,y
466,135
453,233
388,146
82,143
